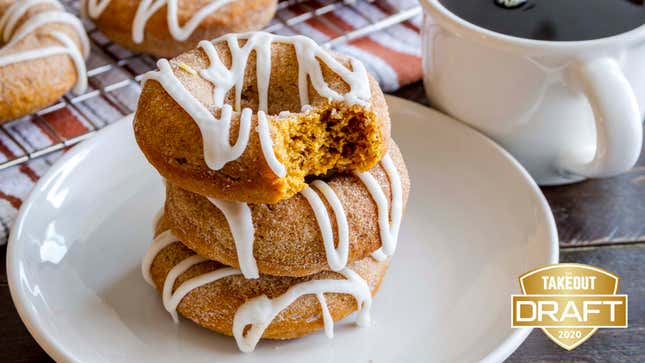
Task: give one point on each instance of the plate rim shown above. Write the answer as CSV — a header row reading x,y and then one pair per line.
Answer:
x,y
519,335
49,343
60,354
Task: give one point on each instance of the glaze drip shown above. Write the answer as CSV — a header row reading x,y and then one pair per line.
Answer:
x,y
309,56
266,143
171,301
215,132
147,8
336,257
169,283
389,231
258,312
240,221
160,242
328,321
93,8
12,35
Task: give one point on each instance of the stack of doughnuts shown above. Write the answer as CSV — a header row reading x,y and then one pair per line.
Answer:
x,y
42,55
284,191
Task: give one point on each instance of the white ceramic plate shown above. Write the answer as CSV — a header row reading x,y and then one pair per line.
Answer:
x,y
475,222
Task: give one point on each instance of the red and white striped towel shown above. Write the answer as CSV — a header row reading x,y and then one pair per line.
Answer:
x,y
392,55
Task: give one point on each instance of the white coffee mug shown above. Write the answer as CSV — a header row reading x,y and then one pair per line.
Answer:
x,y
565,110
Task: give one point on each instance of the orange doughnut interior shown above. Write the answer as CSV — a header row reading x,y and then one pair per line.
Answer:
x,y
331,138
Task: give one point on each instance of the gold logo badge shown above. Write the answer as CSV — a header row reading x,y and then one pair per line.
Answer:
x,y
569,301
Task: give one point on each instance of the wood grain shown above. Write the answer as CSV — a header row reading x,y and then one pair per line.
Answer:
x,y
17,345
601,211
607,345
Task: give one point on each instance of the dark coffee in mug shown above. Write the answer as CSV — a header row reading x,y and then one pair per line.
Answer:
x,y
554,20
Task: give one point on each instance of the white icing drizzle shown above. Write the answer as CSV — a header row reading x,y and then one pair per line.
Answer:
x,y
239,218
266,143
147,8
93,8
378,255
16,11
336,257
11,36
259,312
32,54
43,18
171,301
171,277
79,61
215,133
328,321
389,232
159,243
308,54
240,221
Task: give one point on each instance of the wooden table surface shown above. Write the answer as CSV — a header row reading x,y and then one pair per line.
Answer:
x,y
600,222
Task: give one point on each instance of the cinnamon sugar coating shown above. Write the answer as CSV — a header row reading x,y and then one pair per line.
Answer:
x,y
237,16
28,86
214,305
288,241
330,136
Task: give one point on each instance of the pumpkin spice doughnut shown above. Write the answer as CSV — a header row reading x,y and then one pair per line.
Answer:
x,y
167,28
219,298
327,226
41,55
248,116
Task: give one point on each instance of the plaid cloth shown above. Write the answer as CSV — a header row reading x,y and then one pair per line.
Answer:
x,y
392,55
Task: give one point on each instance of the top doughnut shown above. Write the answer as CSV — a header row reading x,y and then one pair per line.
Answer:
x,y
247,117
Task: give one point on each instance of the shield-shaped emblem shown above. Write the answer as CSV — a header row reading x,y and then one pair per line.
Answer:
x,y
544,281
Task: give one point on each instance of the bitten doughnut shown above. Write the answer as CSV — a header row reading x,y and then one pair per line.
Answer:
x,y
327,226
166,28
218,297
42,55
248,116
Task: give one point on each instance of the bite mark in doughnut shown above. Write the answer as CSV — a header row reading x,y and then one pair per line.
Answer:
x,y
243,106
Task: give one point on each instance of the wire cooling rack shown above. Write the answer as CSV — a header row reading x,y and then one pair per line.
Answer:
x,y
114,74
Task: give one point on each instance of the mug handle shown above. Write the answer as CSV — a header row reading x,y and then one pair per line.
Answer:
x,y
619,129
